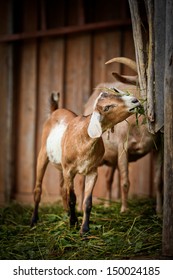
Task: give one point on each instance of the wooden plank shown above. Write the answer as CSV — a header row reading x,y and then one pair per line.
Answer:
x,y
72,13
167,245
128,50
77,72
159,63
55,13
150,65
29,16
6,108
139,185
26,117
106,45
50,78
10,139
139,45
65,30
27,87
3,120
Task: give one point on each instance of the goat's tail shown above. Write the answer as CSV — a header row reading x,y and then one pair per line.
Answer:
x,y
54,101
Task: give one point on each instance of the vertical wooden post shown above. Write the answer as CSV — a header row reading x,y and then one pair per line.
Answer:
x,y
6,108
167,244
139,45
27,105
159,63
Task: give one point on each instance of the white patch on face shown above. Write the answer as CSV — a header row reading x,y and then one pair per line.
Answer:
x,y
128,101
53,145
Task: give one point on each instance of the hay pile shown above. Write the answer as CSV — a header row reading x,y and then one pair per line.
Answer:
x,y
132,235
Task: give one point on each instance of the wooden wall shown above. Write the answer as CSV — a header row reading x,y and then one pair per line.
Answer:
x,y
33,66
6,108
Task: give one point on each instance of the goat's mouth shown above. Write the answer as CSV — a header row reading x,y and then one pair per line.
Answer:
x,y
136,106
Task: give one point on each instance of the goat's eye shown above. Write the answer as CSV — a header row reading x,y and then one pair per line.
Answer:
x,y
108,107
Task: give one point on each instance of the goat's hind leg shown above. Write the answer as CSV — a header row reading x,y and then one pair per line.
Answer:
x,y
42,162
109,176
81,186
124,179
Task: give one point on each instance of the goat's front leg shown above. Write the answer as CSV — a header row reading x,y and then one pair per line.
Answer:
x,y
81,184
90,181
124,179
70,197
42,162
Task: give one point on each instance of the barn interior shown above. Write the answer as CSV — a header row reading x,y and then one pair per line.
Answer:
x,y
57,46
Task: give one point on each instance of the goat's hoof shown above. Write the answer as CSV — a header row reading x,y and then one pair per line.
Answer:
x,y
73,222
159,213
33,221
124,209
84,232
85,236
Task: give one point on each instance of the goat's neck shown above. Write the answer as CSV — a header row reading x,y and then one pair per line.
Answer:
x,y
109,124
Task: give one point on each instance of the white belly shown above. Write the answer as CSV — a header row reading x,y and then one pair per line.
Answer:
x,y
53,145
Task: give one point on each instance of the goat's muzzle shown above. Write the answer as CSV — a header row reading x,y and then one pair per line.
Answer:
x,y
135,100
137,105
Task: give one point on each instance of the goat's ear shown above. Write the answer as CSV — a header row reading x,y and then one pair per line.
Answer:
x,y
94,128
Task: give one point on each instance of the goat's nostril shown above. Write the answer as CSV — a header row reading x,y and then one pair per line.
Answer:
x,y
135,100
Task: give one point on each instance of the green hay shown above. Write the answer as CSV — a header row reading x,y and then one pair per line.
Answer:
x,y
132,235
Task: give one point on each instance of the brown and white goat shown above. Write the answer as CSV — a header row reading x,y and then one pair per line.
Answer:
x,y
128,142
73,144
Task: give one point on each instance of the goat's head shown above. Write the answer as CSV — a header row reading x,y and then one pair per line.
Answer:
x,y
109,109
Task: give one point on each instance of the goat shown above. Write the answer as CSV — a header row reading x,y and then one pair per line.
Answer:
x,y
128,142
73,144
